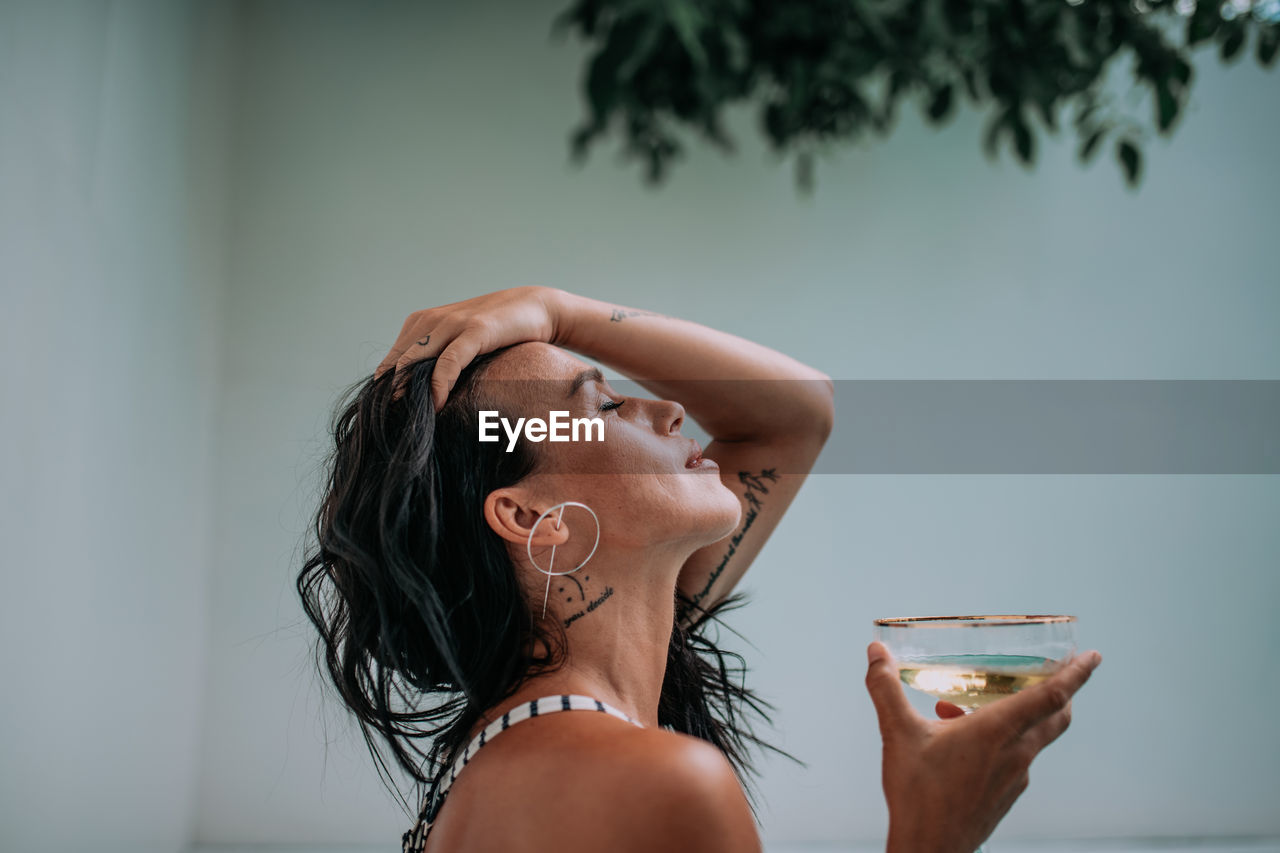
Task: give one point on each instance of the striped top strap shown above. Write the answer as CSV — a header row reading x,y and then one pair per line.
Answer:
x,y
414,841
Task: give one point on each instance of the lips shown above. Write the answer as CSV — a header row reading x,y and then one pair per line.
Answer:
x,y
695,456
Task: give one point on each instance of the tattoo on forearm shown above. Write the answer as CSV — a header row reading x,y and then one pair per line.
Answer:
x,y
620,314
755,487
582,596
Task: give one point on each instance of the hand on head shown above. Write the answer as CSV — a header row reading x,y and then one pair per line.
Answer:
x,y
948,782
456,333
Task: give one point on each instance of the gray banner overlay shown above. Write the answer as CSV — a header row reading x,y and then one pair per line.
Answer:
x,y
1017,426
1055,427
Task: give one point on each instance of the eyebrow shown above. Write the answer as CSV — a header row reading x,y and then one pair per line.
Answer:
x,y
582,379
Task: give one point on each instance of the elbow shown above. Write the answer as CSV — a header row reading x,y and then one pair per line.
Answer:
x,y
814,423
806,413
824,423
825,419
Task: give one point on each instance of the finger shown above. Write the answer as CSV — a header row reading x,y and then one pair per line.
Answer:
x,y
450,363
393,355
411,349
1062,685
420,348
1048,730
1051,695
885,687
398,382
947,711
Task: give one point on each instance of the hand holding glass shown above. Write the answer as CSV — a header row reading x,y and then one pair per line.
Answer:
x,y
972,661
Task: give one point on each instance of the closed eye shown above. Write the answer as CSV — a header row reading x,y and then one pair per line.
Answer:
x,y
609,404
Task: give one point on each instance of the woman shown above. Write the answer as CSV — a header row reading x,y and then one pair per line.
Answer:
x,y
521,577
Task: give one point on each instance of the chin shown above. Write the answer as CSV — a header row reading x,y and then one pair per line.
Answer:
x,y
732,516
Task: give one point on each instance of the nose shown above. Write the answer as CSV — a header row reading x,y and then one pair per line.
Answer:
x,y
672,415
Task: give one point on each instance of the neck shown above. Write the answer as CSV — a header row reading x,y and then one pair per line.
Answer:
x,y
620,615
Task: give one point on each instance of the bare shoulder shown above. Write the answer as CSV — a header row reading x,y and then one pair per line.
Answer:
x,y
600,785
664,791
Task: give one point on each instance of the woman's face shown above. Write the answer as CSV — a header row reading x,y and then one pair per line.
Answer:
x,y
636,479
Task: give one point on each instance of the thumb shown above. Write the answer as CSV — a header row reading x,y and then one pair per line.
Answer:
x,y
892,707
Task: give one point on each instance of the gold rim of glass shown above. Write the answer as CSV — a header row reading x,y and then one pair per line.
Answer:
x,y
971,621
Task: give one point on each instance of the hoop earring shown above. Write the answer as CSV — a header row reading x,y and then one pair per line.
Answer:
x,y
528,545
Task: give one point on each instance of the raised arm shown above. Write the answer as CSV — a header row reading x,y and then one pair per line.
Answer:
x,y
768,415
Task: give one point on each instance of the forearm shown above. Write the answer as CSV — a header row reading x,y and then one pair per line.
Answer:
x,y
735,388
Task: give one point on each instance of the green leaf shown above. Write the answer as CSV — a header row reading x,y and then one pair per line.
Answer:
x,y
1073,39
1232,43
870,19
1091,143
1130,158
1268,42
1203,23
601,91
645,42
687,20
739,55
898,82
933,22
1044,102
583,14
774,120
991,137
653,66
1166,106
1181,71
580,142
1083,116
1024,143
716,133
940,103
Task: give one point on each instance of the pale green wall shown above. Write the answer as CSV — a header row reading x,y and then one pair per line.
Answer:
x,y
109,254
379,158
394,159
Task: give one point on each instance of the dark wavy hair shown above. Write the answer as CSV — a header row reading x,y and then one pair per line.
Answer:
x,y
423,624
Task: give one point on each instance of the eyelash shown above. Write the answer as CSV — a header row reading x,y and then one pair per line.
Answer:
x,y
607,405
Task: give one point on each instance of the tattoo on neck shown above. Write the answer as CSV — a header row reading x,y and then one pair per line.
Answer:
x,y
608,591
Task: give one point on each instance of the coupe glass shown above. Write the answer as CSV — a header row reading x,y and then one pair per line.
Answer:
x,y
972,661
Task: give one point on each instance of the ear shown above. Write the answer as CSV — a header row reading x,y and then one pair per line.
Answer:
x,y
511,514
